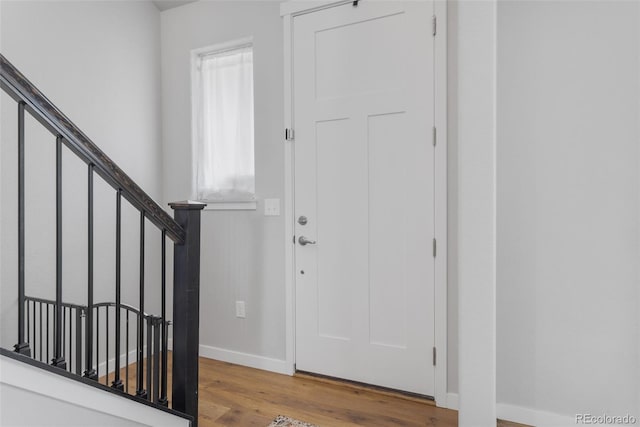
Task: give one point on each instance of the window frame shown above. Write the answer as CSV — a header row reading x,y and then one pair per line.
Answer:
x,y
195,56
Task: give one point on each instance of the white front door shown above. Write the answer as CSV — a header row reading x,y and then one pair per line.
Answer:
x,y
364,181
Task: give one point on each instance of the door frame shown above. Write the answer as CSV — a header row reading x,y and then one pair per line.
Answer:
x,y
288,11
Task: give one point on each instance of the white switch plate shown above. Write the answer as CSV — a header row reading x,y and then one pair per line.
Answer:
x,y
271,207
240,310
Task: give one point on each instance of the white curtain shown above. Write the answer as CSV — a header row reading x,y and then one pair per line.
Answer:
x,y
225,149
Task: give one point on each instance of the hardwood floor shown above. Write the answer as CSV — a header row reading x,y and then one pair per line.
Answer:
x,y
253,398
232,395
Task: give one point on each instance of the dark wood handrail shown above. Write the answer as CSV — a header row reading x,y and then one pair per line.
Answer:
x,y
43,110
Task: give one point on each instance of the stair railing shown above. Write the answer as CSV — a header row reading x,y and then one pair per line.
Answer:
x,y
183,230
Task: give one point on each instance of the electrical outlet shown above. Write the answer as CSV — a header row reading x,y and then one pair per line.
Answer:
x,y
240,310
271,207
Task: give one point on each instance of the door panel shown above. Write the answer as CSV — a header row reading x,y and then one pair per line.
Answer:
x,y
363,114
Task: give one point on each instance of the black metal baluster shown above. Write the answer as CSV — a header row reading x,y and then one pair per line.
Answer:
x,y
89,371
70,334
149,326
33,328
157,321
68,337
117,382
106,333
138,366
64,331
58,358
70,356
40,321
79,313
97,342
22,345
141,391
165,374
28,337
163,392
48,329
126,368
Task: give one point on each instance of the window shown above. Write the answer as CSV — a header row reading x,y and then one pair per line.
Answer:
x,y
224,169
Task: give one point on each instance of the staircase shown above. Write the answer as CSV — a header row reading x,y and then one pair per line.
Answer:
x,y
73,340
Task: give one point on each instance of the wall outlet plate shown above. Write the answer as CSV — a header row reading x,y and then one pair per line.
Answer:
x,y
240,310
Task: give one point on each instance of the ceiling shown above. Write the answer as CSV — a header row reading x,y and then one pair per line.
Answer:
x,y
170,4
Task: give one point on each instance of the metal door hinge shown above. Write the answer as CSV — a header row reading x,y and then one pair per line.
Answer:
x,y
434,136
434,248
434,25
288,134
434,356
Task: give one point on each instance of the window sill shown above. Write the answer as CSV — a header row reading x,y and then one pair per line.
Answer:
x,y
231,206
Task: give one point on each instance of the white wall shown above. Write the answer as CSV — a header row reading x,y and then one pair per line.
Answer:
x,y
568,212
242,251
99,63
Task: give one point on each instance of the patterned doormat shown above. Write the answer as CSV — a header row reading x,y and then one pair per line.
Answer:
x,y
282,421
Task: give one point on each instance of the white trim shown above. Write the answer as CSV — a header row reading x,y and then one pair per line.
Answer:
x,y
520,414
221,47
300,7
532,417
288,10
194,55
230,206
638,236
289,265
244,359
452,401
638,219
476,102
440,196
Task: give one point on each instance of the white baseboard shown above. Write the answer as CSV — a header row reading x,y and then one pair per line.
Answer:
x,y
224,355
123,362
533,417
520,414
244,359
452,401
239,358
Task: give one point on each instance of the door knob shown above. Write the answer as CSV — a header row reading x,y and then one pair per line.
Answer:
x,y
304,241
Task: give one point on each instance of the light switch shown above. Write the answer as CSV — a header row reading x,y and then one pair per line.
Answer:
x,y
271,207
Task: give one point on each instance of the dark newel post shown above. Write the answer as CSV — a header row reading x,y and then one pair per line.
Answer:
x,y
186,309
